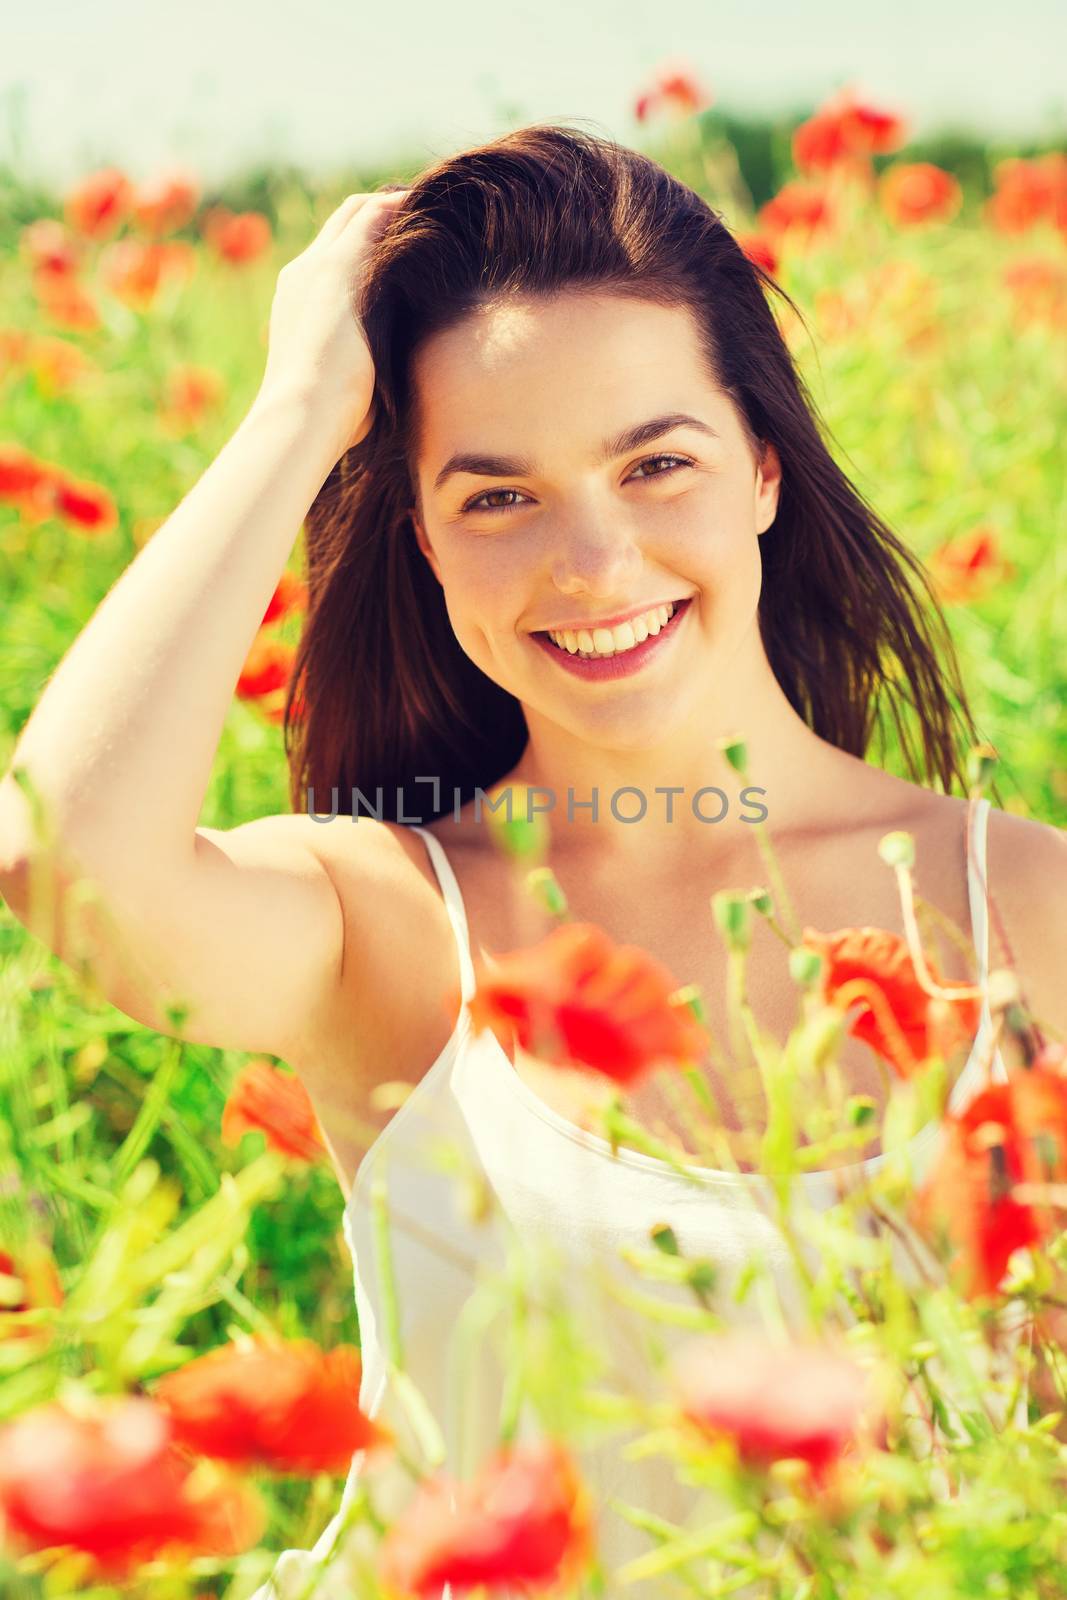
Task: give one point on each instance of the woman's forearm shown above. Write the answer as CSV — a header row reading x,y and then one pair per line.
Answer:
x,y
121,743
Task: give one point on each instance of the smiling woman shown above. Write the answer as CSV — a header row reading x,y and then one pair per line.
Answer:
x,y
571,525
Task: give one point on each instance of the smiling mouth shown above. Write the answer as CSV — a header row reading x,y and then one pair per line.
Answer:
x,y
676,608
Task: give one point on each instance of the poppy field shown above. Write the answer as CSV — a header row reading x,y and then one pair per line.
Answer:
x,y
179,1346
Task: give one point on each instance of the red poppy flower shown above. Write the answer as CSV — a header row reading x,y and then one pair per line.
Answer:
x,y
1029,192
898,1019
109,1481
99,204
15,346
191,392
1038,288
1007,1134
65,301
266,1100
273,706
27,1282
50,247
56,363
166,203
968,566
267,667
284,1405
23,478
845,132
675,89
136,271
85,506
525,1519
579,1000
919,192
759,250
237,238
799,208
290,594
802,1402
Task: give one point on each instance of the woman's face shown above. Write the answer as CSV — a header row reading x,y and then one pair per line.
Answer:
x,y
572,524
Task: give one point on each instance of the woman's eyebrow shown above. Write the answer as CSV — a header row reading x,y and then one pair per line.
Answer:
x,y
484,466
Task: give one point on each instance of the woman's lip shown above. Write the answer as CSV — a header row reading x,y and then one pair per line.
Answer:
x,y
622,664
582,627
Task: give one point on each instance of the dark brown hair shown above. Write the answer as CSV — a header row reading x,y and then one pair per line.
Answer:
x,y
850,623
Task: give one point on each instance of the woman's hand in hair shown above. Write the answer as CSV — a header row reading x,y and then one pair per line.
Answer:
x,y
318,351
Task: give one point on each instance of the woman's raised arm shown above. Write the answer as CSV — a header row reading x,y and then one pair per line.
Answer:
x,y
245,926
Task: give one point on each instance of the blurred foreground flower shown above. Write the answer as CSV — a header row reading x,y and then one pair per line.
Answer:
x,y
579,1000
28,1281
526,1519
1007,1135
107,1480
286,1406
266,1100
898,1019
778,1402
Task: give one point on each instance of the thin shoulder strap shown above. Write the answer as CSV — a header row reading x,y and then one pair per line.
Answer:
x,y
977,886
454,906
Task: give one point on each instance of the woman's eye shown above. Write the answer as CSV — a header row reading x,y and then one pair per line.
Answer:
x,y
473,505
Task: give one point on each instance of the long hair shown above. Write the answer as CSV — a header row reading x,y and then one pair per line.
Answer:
x,y
848,617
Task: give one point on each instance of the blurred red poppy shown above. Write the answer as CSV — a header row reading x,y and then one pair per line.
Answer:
x,y
99,204
28,1282
798,208
1006,1135
264,1099
969,565
905,1026
845,132
759,250
919,193
777,1402
237,238
267,667
166,202
109,1481
290,594
86,507
579,1000
1028,192
525,1520
65,301
675,89
283,1405
50,247
191,392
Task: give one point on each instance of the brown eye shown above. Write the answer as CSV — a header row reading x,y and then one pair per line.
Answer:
x,y
473,506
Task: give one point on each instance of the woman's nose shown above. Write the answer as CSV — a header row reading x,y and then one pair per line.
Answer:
x,y
601,564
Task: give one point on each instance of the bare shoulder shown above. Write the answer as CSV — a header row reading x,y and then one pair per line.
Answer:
x,y
1026,868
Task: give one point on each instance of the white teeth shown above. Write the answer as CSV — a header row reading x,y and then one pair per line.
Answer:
x,y
614,641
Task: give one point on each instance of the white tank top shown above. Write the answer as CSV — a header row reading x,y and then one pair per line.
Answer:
x,y
558,1188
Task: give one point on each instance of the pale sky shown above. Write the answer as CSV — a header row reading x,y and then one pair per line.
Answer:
x,y
217,83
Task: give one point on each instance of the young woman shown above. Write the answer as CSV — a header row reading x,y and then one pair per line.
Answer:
x,y
536,396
